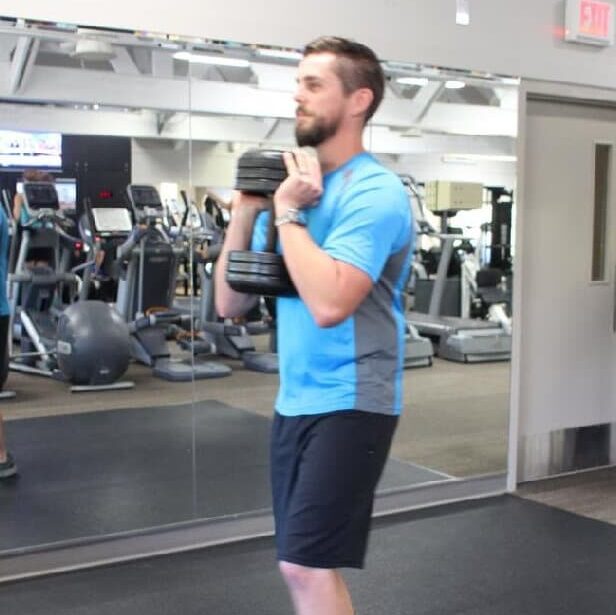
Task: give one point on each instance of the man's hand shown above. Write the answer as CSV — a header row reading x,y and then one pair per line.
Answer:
x,y
304,184
247,200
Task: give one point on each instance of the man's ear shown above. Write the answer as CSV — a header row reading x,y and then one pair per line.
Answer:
x,y
361,99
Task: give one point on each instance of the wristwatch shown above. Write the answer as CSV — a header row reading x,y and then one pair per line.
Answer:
x,y
292,215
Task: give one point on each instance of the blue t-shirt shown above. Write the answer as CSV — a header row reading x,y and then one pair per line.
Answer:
x,y
363,218
4,257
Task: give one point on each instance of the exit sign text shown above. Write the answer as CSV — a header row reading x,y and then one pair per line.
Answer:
x,y
590,21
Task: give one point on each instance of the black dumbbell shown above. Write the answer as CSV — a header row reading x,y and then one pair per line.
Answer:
x,y
262,273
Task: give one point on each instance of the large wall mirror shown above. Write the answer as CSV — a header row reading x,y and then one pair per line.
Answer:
x,y
170,118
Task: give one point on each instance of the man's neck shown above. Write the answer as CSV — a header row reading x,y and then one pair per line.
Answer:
x,y
337,150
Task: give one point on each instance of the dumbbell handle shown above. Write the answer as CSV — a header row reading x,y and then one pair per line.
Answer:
x,y
272,231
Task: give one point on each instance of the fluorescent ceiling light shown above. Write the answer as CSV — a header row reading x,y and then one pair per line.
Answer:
x,y
197,58
474,158
454,84
281,54
463,14
420,81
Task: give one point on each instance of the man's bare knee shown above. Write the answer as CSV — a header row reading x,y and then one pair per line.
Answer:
x,y
302,577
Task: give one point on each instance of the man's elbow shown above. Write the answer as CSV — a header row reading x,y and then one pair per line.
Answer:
x,y
225,309
329,316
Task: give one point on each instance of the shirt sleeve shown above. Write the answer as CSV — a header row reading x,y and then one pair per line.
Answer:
x,y
369,226
259,232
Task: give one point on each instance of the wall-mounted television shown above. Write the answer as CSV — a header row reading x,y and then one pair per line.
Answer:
x,y
30,149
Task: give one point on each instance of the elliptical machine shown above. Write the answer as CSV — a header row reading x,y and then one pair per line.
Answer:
x,y
146,292
58,341
102,229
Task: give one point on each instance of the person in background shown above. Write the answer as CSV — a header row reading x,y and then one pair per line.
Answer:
x,y
7,463
30,175
345,230
37,255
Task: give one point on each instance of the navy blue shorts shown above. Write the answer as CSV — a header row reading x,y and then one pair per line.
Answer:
x,y
325,469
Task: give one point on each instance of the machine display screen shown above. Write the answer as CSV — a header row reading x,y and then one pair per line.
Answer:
x,y
41,195
67,193
112,219
145,197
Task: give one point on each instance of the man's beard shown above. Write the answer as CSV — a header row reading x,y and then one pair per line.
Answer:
x,y
315,133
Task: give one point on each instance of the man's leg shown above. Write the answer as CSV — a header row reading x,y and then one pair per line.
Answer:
x,y
316,590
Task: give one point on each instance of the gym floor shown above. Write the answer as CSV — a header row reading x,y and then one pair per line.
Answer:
x,y
455,419
92,464
424,562
498,556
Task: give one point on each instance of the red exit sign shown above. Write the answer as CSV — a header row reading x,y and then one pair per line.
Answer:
x,y
590,21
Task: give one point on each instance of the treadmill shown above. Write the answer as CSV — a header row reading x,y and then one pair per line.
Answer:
x,y
465,340
418,350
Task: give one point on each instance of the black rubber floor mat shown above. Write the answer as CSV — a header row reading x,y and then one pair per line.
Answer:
x,y
98,473
503,556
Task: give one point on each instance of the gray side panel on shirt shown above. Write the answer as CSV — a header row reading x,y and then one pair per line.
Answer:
x,y
376,341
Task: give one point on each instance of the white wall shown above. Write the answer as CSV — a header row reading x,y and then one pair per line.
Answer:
x,y
521,37
427,167
160,160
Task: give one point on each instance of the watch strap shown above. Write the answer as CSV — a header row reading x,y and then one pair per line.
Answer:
x,y
292,216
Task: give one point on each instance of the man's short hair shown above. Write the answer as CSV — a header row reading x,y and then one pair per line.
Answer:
x,y
356,66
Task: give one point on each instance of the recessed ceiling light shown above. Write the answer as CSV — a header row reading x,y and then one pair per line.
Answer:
x,y
474,158
454,84
420,81
281,54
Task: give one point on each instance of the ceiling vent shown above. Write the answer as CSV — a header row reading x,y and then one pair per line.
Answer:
x,y
92,50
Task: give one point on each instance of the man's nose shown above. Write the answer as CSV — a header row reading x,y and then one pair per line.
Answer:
x,y
298,96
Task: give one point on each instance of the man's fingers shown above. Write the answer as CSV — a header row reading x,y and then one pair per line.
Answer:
x,y
290,163
307,164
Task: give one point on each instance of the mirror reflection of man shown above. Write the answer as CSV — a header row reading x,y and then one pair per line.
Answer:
x,y
345,232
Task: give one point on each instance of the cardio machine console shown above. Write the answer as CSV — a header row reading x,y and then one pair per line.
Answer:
x,y
112,221
39,196
145,202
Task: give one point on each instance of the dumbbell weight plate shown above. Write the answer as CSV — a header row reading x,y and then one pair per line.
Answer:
x,y
257,268
248,256
263,273
269,286
258,186
261,173
271,159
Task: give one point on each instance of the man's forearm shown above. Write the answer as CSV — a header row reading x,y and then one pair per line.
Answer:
x,y
230,303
